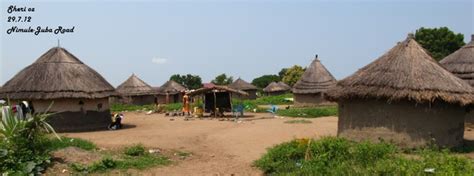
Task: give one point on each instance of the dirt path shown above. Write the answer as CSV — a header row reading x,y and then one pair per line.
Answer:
x,y
217,147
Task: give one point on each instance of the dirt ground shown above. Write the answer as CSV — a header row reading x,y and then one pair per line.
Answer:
x,y
217,147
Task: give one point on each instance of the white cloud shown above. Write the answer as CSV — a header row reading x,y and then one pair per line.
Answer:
x,y
159,60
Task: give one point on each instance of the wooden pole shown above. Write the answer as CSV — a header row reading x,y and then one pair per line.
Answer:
x,y
215,104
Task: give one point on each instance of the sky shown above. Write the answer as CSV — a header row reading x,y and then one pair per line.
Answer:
x,y
246,39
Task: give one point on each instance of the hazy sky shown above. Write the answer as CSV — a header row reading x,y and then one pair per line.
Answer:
x,y
241,38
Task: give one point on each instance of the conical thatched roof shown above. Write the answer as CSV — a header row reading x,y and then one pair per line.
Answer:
x,y
57,74
134,86
276,87
406,72
240,84
171,87
315,79
461,62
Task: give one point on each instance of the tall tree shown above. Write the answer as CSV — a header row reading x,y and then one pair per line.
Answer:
x,y
263,81
293,74
440,42
282,72
189,81
222,79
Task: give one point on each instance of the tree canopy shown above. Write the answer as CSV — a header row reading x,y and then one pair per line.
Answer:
x,y
222,79
293,74
263,81
189,81
440,42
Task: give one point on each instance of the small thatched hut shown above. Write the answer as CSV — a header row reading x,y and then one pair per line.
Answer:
x,y
78,93
242,85
276,88
461,64
404,96
312,86
216,97
135,91
170,92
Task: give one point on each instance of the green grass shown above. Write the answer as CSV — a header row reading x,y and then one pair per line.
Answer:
x,y
265,100
298,121
56,144
309,112
125,107
338,156
133,157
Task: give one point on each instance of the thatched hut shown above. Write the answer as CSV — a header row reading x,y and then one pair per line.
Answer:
x,y
276,88
461,64
79,94
215,98
170,92
135,91
242,85
312,87
404,96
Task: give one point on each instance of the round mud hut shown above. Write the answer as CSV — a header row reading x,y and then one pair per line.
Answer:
x,y
242,85
405,97
170,92
276,88
310,90
461,64
135,91
78,94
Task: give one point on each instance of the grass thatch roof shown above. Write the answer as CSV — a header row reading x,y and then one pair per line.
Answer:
x,y
171,87
57,74
277,87
315,79
406,72
240,84
208,89
461,62
134,86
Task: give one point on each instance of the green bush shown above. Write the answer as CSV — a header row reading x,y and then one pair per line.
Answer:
x,y
23,144
174,107
309,112
136,150
338,156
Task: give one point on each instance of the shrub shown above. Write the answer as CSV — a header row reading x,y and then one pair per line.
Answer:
x,y
338,156
23,144
135,150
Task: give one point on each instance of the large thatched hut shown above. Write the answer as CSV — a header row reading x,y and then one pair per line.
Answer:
x,y
170,92
276,88
135,91
461,64
312,87
79,94
242,85
404,96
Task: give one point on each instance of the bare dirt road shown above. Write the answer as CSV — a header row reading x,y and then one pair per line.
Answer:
x,y
217,147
